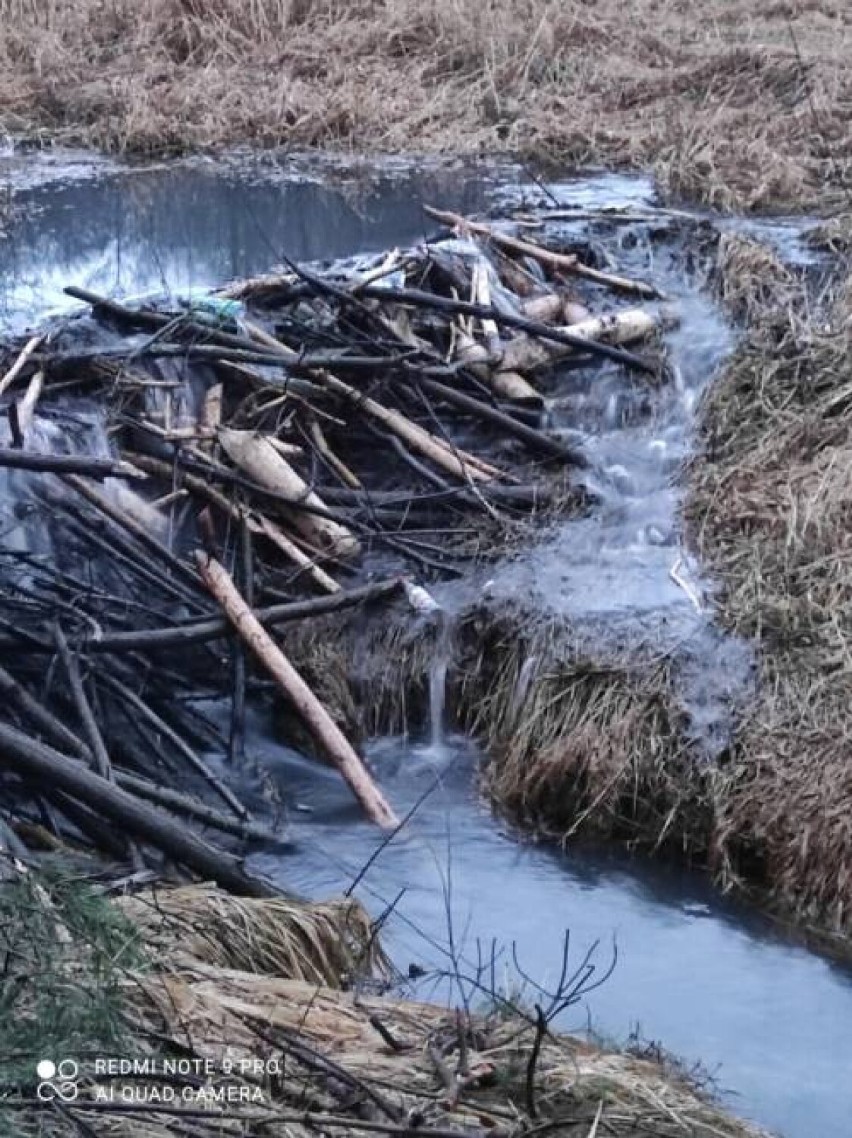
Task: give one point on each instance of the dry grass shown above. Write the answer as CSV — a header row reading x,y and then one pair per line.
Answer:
x,y
329,943
364,1060
716,99
771,511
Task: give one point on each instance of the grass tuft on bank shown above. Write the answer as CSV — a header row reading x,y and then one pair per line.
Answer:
x,y
739,105
770,509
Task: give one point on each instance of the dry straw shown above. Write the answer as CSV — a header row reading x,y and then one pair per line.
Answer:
x,y
717,99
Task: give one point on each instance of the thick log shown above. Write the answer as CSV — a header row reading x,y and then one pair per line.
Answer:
x,y
508,384
525,354
43,765
325,731
262,462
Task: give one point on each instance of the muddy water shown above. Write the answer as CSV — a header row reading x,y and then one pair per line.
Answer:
x,y
707,980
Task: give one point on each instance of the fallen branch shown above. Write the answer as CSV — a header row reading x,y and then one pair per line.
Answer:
x,y
328,735
67,464
47,767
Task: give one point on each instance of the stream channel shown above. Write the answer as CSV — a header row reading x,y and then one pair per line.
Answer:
x,y
709,980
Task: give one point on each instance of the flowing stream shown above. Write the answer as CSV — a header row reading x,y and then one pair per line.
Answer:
x,y
708,979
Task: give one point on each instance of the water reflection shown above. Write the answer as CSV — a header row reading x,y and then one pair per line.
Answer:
x,y
195,225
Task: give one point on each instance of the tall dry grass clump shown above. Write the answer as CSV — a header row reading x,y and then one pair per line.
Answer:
x,y
719,100
771,511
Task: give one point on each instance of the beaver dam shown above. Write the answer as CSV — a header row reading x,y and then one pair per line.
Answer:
x,y
296,566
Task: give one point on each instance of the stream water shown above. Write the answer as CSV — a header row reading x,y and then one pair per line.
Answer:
x,y
709,980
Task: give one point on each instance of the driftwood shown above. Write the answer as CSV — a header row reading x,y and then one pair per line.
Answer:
x,y
327,734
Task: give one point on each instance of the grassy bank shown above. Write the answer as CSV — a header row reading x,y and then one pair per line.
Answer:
x,y
196,976
743,105
770,511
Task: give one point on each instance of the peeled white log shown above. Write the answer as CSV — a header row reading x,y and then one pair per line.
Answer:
x,y
325,731
509,384
525,353
548,308
262,462
454,461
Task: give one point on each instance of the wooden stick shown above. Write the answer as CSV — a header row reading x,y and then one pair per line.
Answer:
x,y
99,468
26,406
94,738
325,731
202,631
47,767
18,366
132,526
559,262
257,524
457,463
292,551
180,803
536,440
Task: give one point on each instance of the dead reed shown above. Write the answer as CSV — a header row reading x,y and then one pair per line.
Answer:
x,y
341,1062
722,102
770,510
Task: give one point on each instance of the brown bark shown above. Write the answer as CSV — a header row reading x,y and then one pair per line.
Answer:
x,y
325,731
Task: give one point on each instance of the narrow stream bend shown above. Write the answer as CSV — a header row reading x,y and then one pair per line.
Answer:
x,y
709,980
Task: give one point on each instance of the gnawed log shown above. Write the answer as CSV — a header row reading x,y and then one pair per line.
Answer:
x,y
556,262
262,462
508,384
632,324
331,740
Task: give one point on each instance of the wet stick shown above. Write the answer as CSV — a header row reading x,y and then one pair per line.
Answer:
x,y
121,518
95,740
325,731
180,803
48,767
457,463
534,439
19,364
556,262
259,524
65,463
164,730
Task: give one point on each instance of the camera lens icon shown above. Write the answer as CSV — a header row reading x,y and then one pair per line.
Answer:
x,y
58,1080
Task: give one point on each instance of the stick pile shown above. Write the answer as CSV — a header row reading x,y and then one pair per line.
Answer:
x,y
182,480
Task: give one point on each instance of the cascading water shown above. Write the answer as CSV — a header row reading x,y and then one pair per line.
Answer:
x,y
706,978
